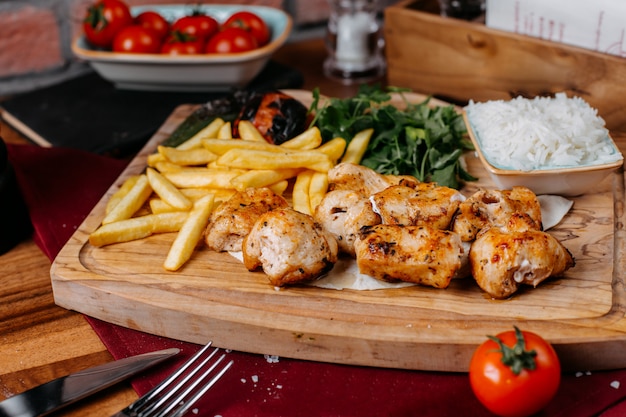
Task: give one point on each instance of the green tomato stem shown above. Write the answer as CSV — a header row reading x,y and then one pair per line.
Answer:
x,y
517,357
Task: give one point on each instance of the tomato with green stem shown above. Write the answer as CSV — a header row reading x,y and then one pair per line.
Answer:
x,y
252,23
182,44
515,374
104,20
197,24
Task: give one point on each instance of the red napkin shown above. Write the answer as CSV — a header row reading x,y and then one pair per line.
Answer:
x,y
61,186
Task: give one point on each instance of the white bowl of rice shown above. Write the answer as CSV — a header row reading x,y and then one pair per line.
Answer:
x,y
552,145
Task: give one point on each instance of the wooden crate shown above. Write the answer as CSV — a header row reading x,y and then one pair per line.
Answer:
x,y
459,60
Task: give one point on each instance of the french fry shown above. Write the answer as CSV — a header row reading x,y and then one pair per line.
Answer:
x,y
186,157
137,228
247,131
190,234
196,193
154,159
221,146
280,187
300,195
157,205
256,159
206,178
191,143
258,178
309,139
333,148
131,202
120,193
357,146
167,191
317,189
225,131
167,166
209,131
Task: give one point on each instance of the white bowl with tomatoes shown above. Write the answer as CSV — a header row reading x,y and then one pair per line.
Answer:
x,y
179,47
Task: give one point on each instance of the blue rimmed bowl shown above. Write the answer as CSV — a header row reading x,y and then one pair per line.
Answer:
x,y
203,72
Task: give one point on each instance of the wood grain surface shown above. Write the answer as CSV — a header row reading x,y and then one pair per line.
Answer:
x,y
41,340
474,61
215,297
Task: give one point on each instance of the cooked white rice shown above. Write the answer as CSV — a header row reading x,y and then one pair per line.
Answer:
x,y
541,133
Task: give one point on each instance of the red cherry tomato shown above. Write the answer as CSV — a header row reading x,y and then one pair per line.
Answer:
x,y
104,20
231,40
197,24
252,23
137,39
181,44
154,21
515,374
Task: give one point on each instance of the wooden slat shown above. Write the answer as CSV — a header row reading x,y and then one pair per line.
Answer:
x,y
462,60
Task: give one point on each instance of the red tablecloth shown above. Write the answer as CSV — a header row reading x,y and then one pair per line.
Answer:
x,y
61,186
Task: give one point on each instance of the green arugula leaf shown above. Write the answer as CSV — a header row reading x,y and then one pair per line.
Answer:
x,y
423,141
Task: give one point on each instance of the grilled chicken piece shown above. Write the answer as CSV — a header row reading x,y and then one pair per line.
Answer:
x,y
290,247
494,207
418,254
504,258
425,204
363,180
232,220
342,213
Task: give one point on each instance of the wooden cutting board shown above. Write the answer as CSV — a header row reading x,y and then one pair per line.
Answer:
x,y
213,297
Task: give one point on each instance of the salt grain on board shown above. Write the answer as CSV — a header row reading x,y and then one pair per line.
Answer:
x,y
272,358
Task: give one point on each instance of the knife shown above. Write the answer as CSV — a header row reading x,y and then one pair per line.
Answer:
x,y
66,390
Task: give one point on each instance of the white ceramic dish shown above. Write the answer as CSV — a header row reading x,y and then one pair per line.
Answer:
x,y
188,73
565,181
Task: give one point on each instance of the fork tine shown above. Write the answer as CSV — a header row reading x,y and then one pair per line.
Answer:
x,y
186,403
155,401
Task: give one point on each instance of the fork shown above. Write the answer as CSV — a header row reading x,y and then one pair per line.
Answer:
x,y
177,393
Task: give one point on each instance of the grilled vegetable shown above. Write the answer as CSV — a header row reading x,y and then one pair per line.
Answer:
x,y
227,108
276,115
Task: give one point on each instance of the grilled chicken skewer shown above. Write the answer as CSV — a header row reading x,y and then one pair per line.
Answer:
x,y
494,207
290,247
232,220
343,213
504,258
419,254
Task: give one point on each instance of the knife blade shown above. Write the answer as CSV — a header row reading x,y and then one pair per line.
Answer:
x,y
66,390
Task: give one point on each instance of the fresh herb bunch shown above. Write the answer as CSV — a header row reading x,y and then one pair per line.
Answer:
x,y
419,140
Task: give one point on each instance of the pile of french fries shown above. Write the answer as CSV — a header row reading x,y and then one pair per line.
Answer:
x,y
182,185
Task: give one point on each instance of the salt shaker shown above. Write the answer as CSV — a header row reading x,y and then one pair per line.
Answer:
x,y
354,42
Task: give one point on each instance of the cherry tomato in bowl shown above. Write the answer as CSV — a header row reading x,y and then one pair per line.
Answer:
x,y
515,374
252,23
137,39
197,24
154,21
231,40
182,44
104,20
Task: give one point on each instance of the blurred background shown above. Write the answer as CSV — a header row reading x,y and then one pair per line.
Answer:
x,y
35,35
